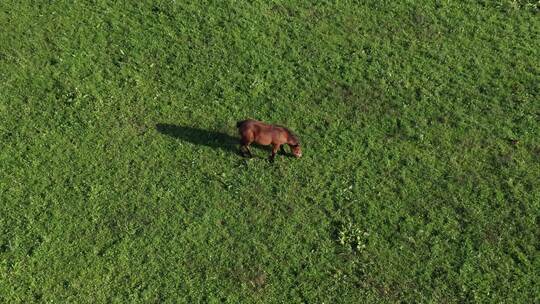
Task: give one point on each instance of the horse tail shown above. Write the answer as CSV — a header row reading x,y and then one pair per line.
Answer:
x,y
240,123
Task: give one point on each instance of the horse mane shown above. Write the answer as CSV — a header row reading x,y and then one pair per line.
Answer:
x,y
293,136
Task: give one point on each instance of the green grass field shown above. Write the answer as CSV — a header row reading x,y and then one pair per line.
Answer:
x,y
120,178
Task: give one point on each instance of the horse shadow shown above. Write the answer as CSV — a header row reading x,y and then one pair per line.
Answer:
x,y
212,139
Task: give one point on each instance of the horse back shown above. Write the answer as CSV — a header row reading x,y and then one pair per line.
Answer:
x,y
261,132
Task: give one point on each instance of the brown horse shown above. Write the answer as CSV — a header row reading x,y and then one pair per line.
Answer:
x,y
266,134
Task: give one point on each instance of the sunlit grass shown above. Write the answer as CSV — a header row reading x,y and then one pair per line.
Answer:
x,y
120,180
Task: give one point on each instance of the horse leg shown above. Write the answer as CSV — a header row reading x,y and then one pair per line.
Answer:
x,y
244,147
275,148
245,151
242,152
249,151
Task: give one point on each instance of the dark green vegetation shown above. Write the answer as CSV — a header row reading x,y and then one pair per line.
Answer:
x,y
120,180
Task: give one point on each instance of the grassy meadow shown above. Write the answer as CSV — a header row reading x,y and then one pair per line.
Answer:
x,y
121,182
